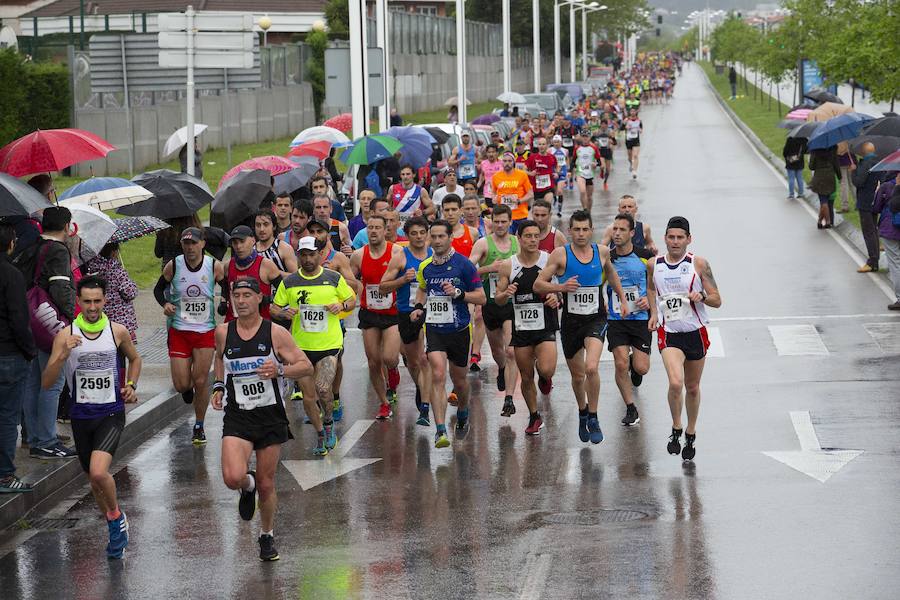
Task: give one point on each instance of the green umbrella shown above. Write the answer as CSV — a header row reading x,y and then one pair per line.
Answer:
x,y
370,149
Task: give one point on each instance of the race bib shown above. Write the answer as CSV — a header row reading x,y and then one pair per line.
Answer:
x,y
252,392
676,307
632,293
95,387
313,319
542,181
529,317
567,142
196,312
440,310
466,171
404,217
603,142
521,166
375,300
583,301
493,278
413,288
632,134
511,200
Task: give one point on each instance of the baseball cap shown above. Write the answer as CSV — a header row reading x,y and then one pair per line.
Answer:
x,y
307,243
249,283
241,232
556,138
495,132
193,234
464,134
318,223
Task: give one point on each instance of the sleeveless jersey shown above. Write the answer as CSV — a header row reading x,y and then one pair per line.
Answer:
x,y
251,401
326,262
585,160
632,129
406,295
272,254
632,271
562,159
638,241
193,293
334,233
371,270
94,374
548,242
252,271
406,201
489,281
464,243
466,169
586,303
529,311
673,284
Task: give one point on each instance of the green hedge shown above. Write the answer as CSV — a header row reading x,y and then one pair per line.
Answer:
x,y
34,96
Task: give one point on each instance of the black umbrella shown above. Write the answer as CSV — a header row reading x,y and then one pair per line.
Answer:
x,y
821,96
131,228
884,144
439,135
217,241
240,197
293,180
889,126
174,195
18,199
806,130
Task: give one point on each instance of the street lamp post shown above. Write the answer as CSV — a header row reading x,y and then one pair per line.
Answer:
x,y
585,9
536,35
461,62
507,66
557,51
265,23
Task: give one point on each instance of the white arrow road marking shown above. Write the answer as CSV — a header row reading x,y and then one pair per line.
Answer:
x,y
811,460
797,340
310,473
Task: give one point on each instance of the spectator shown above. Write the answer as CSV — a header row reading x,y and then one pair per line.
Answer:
x,y
331,167
732,81
848,190
794,149
198,160
396,119
121,290
824,166
887,204
17,350
453,114
168,241
866,182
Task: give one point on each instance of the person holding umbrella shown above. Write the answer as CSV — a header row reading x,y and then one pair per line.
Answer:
x,y
793,151
198,159
866,182
825,167
121,290
887,207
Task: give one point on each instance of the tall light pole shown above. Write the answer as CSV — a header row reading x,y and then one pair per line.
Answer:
x,y
536,35
382,35
585,9
557,50
461,62
507,66
359,69
572,41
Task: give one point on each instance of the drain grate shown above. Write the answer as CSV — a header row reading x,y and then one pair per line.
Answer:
x,y
47,524
595,517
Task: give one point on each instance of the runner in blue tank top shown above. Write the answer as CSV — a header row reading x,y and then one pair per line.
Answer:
x,y
642,241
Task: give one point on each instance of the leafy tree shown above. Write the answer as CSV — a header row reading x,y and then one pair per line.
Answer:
x,y
337,15
315,68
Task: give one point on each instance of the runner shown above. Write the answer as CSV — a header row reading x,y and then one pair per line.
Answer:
x,y
586,158
409,198
268,246
91,352
282,209
535,322
606,142
378,312
685,286
462,159
471,209
543,169
489,166
513,189
340,235
580,267
488,253
252,357
448,282
378,206
359,221
400,277
247,262
551,237
191,322
643,238
464,236
301,213
450,187
629,337
562,155
313,298
633,129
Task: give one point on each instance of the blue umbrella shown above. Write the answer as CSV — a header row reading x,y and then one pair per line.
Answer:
x,y
488,119
417,143
838,129
105,193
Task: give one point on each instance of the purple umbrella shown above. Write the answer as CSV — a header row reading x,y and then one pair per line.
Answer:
x,y
485,119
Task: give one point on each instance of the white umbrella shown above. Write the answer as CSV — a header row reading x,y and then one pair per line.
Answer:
x,y
105,193
179,139
451,101
320,132
92,226
511,98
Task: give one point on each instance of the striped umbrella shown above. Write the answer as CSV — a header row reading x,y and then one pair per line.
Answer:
x,y
105,193
370,149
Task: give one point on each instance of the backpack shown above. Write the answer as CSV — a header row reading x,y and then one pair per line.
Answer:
x,y
46,318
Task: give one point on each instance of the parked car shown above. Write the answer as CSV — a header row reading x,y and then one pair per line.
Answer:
x,y
549,102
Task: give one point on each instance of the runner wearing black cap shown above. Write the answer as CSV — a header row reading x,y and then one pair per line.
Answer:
x,y
247,261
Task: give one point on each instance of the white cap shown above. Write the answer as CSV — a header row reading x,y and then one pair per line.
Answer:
x,y
307,243
594,113
556,138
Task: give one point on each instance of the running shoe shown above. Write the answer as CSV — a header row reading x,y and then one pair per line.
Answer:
x,y
199,436
688,452
188,396
535,424
423,415
330,437
596,435
452,400
337,411
267,551
501,380
462,422
384,412
605,186
583,433
391,396
56,451
441,440
298,393
631,416
509,407
545,385
14,485
118,537
634,174
473,364
674,445
247,501
320,449
636,378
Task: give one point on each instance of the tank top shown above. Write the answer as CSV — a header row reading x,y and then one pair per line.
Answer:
x,y
253,402
586,303
673,284
272,254
632,271
406,201
94,374
335,233
467,163
464,243
326,262
252,271
493,255
548,242
371,270
562,158
639,241
406,295
193,294
529,311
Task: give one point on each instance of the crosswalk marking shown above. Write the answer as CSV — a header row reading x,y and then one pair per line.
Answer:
x,y
716,346
886,335
797,340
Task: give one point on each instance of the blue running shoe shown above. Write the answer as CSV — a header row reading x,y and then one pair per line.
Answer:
x,y
320,449
330,437
583,433
337,411
593,426
118,537
423,415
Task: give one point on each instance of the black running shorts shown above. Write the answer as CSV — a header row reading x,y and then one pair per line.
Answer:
x,y
495,315
573,336
455,344
259,437
634,333
632,143
694,344
522,339
409,329
101,434
369,320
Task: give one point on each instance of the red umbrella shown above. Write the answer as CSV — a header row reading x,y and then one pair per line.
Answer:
x,y
319,149
49,150
276,165
342,122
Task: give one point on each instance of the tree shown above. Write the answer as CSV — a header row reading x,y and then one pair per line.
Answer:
x,y
315,67
337,15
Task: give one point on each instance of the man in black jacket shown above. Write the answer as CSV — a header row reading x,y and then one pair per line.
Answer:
x,y
17,350
866,182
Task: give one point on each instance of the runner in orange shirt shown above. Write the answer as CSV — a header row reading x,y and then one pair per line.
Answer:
x,y
513,189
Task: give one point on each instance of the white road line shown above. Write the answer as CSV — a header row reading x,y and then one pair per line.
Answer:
x,y
806,434
886,335
353,435
797,340
806,317
716,347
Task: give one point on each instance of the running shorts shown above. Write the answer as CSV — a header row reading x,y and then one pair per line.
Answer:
x,y
523,339
588,180
456,344
495,315
258,436
606,153
409,329
622,332
632,143
183,343
573,337
315,356
694,344
370,320
101,434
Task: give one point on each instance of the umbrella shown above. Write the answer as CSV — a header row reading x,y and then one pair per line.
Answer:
x,y
304,169
485,119
49,150
798,114
341,122
105,193
511,98
883,126
240,197
890,163
17,198
174,195
320,132
838,129
439,135
821,96
179,139
451,101
884,144
790,124
131,228
370,149
805,131
827,111
92,226
318,149
275,165
416,142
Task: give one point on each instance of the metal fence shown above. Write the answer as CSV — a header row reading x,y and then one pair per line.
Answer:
x,y
412,33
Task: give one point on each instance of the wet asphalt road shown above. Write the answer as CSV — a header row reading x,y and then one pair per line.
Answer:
x,y
501,515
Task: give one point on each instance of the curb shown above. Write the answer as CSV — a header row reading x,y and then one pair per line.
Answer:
x,y
57,479
843,227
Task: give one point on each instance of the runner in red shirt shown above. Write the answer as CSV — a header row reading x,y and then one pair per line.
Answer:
x,y
541,166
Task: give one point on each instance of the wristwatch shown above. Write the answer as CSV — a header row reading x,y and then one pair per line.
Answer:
x,y
132,384
457,293
703,295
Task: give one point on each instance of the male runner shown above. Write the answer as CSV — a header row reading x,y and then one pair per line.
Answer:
x,y
580,266
448,283
340,235
464,236
252,357
409,198
535,321
543,169
471,210
378,311
400,277
282,209
562,155
191,321
91,353
633,129
586,158
450,187
629,337
685,286
301,213
268,246
488,253
462,159
606,142
489,166
512,189
643,238
551,237
247,262
312,298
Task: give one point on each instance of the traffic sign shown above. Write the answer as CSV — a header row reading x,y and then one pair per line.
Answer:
x,y
206,22
207,59
208,40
